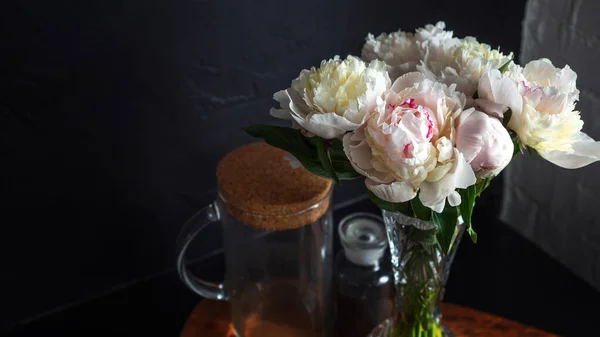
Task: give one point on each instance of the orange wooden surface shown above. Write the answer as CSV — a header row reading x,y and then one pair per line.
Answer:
x,y
211,319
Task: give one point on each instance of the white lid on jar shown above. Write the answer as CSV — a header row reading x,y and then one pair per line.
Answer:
x,y
363,237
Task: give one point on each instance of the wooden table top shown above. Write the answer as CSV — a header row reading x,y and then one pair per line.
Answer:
x,y
211,319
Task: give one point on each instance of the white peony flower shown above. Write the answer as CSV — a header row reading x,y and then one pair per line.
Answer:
x,y
484,142
333,99
466,63
542,100
403,51
474,59
398,50
435,51
437,46
407,144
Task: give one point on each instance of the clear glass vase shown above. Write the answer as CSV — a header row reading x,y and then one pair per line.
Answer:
x,y
420,273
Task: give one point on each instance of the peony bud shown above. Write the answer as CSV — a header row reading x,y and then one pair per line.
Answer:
x,y
484,142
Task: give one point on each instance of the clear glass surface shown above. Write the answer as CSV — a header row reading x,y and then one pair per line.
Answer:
x,y
279,282
420,273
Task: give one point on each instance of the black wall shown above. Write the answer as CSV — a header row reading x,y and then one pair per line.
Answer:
x,y
114,113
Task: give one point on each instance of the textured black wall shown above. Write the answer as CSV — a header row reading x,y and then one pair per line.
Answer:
x,y
114,113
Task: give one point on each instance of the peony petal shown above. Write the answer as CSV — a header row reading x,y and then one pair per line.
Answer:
x,y
412,127
358,152
355,114
439,172
300,82
507,93
445,149
554,102
327,125
284,102
541,72
585,151
464,115
407,81
470,132
464,85
437,206
454,199
434,194
501,90
398,191
566,81
497,152
401,69
462,173
297,104
493,109
324,125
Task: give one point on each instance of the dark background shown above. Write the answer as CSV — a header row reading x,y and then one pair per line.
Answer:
x,y
114,113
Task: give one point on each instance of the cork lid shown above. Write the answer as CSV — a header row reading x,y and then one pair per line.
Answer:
x,y
260,188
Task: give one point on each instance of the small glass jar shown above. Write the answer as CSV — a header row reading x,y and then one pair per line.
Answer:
x,y
364,279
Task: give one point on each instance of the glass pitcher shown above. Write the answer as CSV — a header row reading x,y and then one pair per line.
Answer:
x,y
277,243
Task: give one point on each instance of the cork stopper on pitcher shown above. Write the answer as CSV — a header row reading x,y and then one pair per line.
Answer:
x,y
260,188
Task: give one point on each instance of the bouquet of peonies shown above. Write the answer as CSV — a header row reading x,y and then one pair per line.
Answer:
x,y
428,119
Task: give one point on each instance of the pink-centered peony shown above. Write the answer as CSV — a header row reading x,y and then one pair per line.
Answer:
x,y
407,144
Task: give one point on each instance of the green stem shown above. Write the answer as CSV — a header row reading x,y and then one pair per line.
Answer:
x,y
418,296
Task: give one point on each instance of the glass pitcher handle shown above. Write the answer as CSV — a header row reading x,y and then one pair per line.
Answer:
x,y
207,215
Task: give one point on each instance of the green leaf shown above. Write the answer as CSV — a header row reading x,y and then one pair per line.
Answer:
x,y
422,212
506,118
475,95
337,150
445,225
288,139
330,163
323,153
292,141
315,168
402,207
421,235
341,165
340,162
515,139
517,148
344,170
466,208
472,234
467,200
